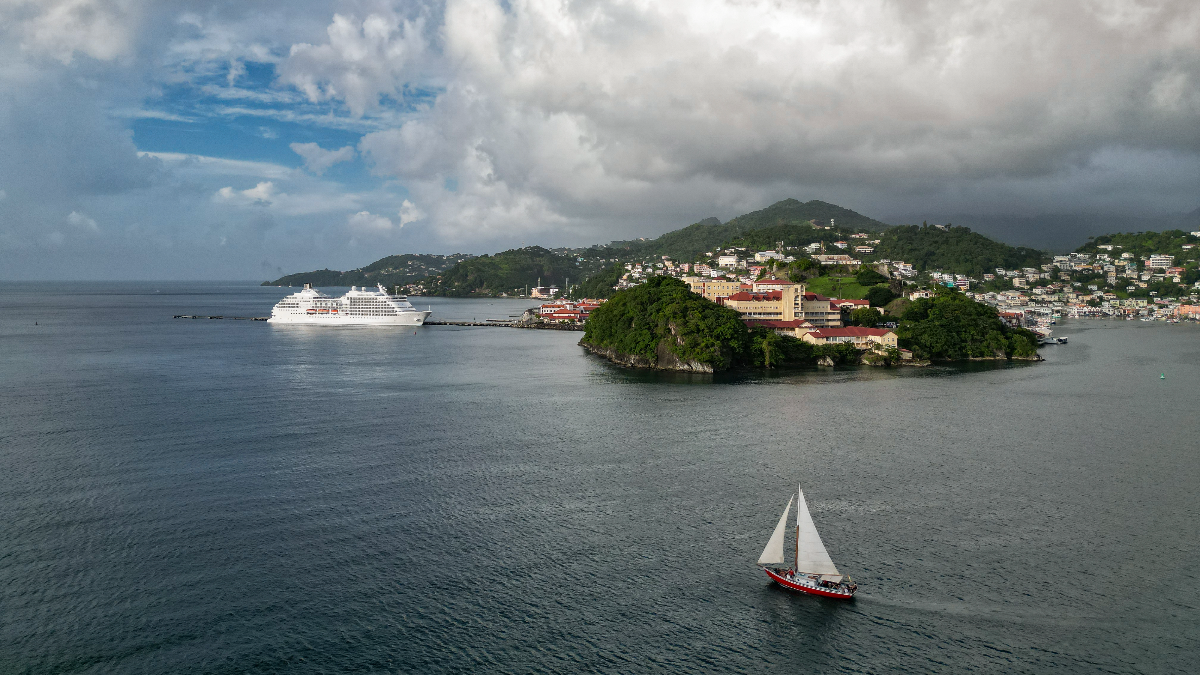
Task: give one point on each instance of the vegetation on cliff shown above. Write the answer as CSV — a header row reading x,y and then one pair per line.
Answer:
x,y
953,249
662,315
950,326
661,324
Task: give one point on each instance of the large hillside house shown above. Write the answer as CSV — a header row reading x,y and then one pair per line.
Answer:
x,y
788,304
863,338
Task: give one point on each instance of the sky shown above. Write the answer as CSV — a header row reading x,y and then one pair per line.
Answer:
x,y
179,139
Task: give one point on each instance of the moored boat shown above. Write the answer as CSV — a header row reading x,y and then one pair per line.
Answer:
x,y
361,306
813,571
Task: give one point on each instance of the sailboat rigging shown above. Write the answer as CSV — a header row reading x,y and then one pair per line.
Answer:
x,y
814,571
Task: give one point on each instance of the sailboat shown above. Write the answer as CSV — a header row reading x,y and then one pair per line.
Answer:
x,y
814,572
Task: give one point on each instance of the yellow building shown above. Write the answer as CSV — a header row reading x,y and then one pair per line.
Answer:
x,y
789,304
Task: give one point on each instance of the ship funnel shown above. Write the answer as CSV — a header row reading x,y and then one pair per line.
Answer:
x,y
307,286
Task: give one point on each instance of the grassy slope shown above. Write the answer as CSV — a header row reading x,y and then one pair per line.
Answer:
x,y
843,288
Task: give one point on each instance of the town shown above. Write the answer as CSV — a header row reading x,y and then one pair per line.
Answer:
x,y
772,288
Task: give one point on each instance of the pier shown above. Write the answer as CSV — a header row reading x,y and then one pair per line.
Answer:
x,y
231,318
490,323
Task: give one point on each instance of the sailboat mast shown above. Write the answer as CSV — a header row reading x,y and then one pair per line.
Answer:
x,y
799,505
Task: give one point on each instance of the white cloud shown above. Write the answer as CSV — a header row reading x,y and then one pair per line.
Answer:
x,y
101,29
318,160
369,223
82,222
409,213
262,194
362,61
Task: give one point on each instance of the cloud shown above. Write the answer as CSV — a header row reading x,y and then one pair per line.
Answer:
x,y
318,160
100,29
557,113
262,194
409,213
82,222
369,223
362,62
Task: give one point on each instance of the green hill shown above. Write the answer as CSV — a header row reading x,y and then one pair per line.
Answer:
x,y
789,221
953,249
508,272
394,270
1140,244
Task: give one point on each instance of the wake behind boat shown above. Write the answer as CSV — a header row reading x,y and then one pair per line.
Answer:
x,y
359,307
814,572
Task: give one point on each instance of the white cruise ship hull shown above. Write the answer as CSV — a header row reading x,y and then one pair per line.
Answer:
x,y
359,307
403,319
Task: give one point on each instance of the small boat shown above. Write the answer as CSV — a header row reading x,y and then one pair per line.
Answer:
x,y
813,572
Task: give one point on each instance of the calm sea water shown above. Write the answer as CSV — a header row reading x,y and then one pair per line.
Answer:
x,y
234,497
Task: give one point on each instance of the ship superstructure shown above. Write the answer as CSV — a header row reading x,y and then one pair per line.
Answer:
x,y
360,306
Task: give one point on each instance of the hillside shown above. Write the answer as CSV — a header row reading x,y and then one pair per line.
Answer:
x,y
509,272
953,249
788,220
394,270
1140,244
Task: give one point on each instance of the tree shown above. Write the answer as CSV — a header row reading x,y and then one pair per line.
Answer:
x,y
866,317
880,296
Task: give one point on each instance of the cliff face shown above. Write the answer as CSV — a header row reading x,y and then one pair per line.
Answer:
x,y
664,359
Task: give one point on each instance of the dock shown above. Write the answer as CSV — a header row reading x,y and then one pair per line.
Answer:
x,y
488,324
230,318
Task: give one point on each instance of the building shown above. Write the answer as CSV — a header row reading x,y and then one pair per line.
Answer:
x,y
763,285
727,261
795,328
787,304
863,338
713,289
840,259
1159,260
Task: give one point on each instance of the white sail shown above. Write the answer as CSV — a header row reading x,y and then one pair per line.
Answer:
x,y
773,553
811,556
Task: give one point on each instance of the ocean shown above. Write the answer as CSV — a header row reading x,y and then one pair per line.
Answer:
x,y
217,496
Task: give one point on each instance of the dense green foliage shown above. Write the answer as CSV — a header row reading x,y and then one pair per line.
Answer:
x,y
866,317
663,313
880,296
600,284
954,249
506,272
394,270
1141,244
951,326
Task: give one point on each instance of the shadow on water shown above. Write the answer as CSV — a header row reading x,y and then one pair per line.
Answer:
x,y
806,375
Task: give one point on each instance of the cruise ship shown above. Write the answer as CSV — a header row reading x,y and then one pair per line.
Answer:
x,y
359,307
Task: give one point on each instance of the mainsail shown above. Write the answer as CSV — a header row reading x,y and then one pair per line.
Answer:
x,y
811,556
773,553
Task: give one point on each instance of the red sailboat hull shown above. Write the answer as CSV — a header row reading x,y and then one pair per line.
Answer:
x,y
805,584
